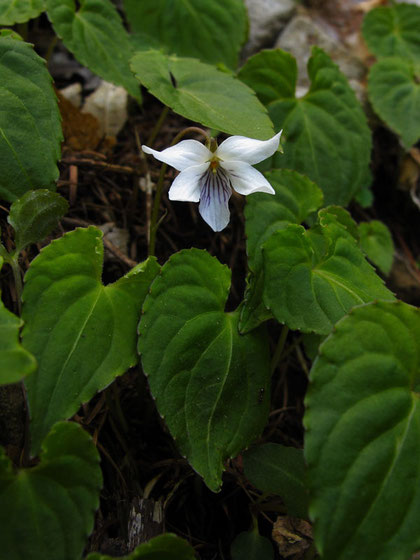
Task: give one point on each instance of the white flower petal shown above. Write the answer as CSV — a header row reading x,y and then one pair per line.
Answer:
x,y
245,179
187,186
214,199
240,148
182,155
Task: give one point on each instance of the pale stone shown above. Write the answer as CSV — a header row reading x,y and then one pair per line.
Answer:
x,y
266,19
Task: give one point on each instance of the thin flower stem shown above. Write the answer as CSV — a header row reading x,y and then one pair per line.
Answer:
x,y
14,264
158,126
279,348
158,195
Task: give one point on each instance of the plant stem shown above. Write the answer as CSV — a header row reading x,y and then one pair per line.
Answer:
x,y
279,348
158,195
158,126
18,282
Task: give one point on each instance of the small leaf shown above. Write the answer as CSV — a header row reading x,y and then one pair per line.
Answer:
x,y
393,31
211,30
15,361
362,443
376,242
163,547
48,511
206,378
95,34
277,469
35,215
394,90
251,546
29,121
203,94
296,197
20,11
83,334
326,133
314,277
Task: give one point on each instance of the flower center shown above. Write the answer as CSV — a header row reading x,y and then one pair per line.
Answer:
x,y
214,164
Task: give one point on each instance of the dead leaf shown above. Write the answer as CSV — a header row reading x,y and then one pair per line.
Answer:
x,y
293,536
108,104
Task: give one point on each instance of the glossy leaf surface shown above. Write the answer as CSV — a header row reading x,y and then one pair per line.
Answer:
x,y
29,121
95,34
19,11
35,215
163,547
277,469
393,31
326,135
48,510
314,277
202,93
362,442
82,333
211,30
210,383
394,91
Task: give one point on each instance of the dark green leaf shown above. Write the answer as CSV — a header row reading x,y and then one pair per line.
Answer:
x,y
362,442
35,215
376,242
19,11
82,333
47,511
251,546
210,383
163,547
202,93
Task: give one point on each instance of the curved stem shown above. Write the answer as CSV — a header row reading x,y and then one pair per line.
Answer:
x,y
279,348
158,126
158,195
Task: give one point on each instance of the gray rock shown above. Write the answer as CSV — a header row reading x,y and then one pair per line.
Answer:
x,y
302,33
266,19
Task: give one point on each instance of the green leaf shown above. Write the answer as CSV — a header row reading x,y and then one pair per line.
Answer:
x,y
15,361
30,126
362,442
394,91
35,215
164,547
314,277
211,30
296,197
19,11
202,93
210,383
326,133
83,334
95,34
393,31
277,469
48,511
376,242
251,546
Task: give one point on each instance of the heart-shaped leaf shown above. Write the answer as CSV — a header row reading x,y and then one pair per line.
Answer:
x,y
210,383
95,34
47,511
376,242
15,361
163,547
277,469
202,93
211,30
82,333
29,121
393,31
326,133
35,215
314,277
296,197
19,11
394,90
362,443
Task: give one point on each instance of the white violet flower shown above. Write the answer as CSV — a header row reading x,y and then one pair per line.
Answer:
x,y
209,175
